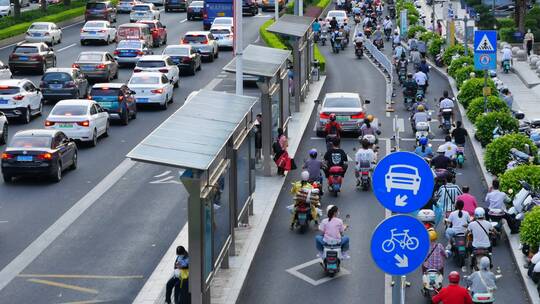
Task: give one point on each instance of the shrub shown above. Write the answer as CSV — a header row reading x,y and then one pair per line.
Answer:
x,y
459,63
435,46
317,55
451,51
511,178
485,124
323,3
506,22
271,39
507,34
473,88
413,30
529,232
476,106
427,36
463,74
497,153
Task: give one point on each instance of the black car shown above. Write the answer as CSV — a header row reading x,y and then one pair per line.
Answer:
x,y
250,7
32,56
38,152
186,57
100,10
172,5
63,83
195,10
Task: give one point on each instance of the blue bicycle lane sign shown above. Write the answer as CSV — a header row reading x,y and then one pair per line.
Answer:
x,y
403,182
399,244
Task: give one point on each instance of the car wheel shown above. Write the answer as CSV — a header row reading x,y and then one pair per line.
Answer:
x,y
8,178
217,53
134,114
165,104
165,40
4,138
43,68
83,42
93,142
27,116
115,75
60,39
125,117
177,83
200,67
74,160
57,175
192,70
211,58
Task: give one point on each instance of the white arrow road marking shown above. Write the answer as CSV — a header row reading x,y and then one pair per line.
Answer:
x,y
183,20
402,262
163,174
401,201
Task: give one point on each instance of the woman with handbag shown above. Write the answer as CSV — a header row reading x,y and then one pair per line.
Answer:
x,y
179,279
281,156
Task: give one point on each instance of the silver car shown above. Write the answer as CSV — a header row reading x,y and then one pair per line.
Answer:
x,y
349,110
97,66
128,52
203,42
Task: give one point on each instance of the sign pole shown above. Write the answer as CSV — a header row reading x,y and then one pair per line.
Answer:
x,y
396,291
466,47
485,90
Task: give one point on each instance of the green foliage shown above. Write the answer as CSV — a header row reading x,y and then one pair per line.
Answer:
x,y
451,51
486,19
497,152
472,89
33,15
458,64
322,61
511,178
322,3
507,34
427,36
413,30
271,39
413,19
463,74
529,232
506,22
476,107
435,46
485,124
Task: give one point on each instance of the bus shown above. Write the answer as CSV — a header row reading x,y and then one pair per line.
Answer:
x,y
216,8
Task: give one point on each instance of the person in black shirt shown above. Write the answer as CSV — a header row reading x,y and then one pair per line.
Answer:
x,y
335,157
459,134
441,161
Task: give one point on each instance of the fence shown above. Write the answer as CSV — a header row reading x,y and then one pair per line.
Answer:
x,y
388,68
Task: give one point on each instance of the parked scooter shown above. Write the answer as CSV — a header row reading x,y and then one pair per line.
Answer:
x,y
335,179
523,202
432,280
506,65
518,158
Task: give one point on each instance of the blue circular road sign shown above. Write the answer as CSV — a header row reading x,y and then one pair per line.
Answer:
x,y
399,244
403,182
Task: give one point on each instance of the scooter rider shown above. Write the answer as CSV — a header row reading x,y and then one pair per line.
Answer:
x,y
366,22
421,80
424,67
359,39
423,150
399,57
506,55
364,158
410,87
450,149
441,161
446,103
332,229
458,221
387,26
483,280
437,255
396,39
453,293
367,128
335,156
419,116
314,167
333,24
480,230
377,35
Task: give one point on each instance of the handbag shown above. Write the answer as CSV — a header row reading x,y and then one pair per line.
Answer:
x,y
281,162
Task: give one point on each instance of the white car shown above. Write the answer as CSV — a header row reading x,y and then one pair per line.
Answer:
x,y
402,177
20,98
79,119
46,32
125,6
155,2
98,30
223,21
5,72
159,63
6,8
151,88
144,11
3,129
341,16
224,36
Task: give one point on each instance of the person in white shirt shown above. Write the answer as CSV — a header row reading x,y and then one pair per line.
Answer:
x,y
458,220
506,55
450,149
364,157
480,229
396,40
446,103
421,79
366,22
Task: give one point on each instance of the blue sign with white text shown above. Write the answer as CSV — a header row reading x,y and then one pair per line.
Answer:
x,y
403,182
399,244
485,50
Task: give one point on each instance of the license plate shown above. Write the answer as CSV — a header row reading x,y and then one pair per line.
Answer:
x,y
105,104
87,68
65,125
331,266
342,118
142,99
55,86
140,14
37,34
196,10
221,14
92,33
302,216
24,158
3,101
23,58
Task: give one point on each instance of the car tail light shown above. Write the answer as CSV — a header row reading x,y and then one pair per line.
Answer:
x,y
89,97
186,59
46,34
44,156
184,41
204,42
83,31
36,57
13,56
358,115
120,98
49,123
324,116
7,156
75,66
140,53
157,91
116,52
70,84
190,9
205,15
84,123
18,97
163,70
101,31
100,66
137,70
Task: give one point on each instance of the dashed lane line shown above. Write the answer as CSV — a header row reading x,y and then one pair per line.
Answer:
x,y
66,47
79,276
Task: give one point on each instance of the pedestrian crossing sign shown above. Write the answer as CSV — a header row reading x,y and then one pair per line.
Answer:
x,y
485,42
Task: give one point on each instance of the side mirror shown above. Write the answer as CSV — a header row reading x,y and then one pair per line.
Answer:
x,y
171,81
164,26
132,92
367,101
38,90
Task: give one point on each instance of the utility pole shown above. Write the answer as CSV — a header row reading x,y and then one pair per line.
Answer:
x,y
238,48
276,10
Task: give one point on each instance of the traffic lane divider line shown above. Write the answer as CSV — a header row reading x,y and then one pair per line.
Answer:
x,y
66,47
64,286
87,302
80,276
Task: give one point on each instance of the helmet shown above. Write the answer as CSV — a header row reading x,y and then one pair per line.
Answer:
x,y
313,153
432,234
332,117
453,277
329,207
479,212
378,27
419,97
484,263
441,149
396,31
423,141
409,75
420,108
305,176
370,118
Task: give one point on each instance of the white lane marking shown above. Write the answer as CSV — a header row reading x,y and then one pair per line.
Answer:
x,y
295,272
163,174
30,253
72,25
66,47
212,84
4,222
317,138
183,20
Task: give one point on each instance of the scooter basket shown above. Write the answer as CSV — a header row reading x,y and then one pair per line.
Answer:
x,y
426,215
422,126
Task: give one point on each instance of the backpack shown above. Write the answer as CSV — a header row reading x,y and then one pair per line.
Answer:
x,y
276,147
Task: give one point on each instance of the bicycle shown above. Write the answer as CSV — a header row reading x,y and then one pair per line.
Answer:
x,y
403,239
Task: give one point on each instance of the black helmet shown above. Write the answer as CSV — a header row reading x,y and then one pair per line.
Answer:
x,y
336,141
409,75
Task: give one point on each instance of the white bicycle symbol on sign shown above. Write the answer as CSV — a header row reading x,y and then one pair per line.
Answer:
x,y
402,239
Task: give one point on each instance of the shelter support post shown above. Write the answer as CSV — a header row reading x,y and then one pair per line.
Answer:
x,y
297,75
266,109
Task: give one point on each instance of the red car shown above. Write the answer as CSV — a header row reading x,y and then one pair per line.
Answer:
x,y
158,30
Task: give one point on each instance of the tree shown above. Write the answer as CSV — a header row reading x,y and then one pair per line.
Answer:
x,y
520,12
43,5
16,8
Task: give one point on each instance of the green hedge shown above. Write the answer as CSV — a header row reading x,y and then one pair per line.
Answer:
x,y
322,61
451,51
472,89
485,124
458,64
511,178
413,30
476,107
322,3
529,231
33,15
497,153
271,39
506,22
435,45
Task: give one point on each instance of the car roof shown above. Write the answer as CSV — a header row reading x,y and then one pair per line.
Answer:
x,y
37,132
342,95
143,4
196,33
152,57
44,23
11,82
65,70
196,2
36,44
75,102
337,11
93,52
178,46
133,25
97,21
148,21
113,85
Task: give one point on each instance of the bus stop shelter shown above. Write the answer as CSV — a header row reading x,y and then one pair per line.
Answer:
x,y
298,31
269,66
210,138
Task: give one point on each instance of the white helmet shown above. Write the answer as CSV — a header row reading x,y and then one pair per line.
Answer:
x,y
440,149
305,176
329,207
479,212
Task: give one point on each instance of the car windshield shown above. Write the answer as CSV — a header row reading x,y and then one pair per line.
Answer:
x,y
94,5
151,63
197,3
220,31
151,25
337,14
104,91
6,90
141,8
127,44
95,24
90,57
195,38
26,49
39,27
176,51
56,76
4,2
144,80
69,110
342,102
30,142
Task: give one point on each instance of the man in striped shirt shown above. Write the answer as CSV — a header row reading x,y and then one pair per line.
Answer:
x,y
447,196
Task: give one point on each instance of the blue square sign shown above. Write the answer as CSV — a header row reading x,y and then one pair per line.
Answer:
x,y
485,50
485,61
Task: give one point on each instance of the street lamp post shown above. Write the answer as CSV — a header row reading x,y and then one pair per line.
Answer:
x,y
238,47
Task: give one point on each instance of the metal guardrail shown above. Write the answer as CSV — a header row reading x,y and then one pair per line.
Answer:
x,y
386,65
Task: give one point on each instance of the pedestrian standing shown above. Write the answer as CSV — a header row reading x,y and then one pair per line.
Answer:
x,y
507,97
179,280
529,40
281,156
258,137
439,27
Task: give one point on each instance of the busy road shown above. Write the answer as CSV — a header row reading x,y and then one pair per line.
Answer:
x,y
132,212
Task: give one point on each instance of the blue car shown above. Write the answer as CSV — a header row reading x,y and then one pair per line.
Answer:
x,y
117,99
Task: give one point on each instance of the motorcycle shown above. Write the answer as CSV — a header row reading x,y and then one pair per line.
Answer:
x,y
427,217
367,32
357,18
338,41
506,66
329,141
324,36
364,176
379,43
441,175
335,179
460,156
359,50
495,218
432,280
523,202
303,216
459,249
316,36
392,11
477,254
446,124
422,130
518,158
402,75
331,259
388,33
